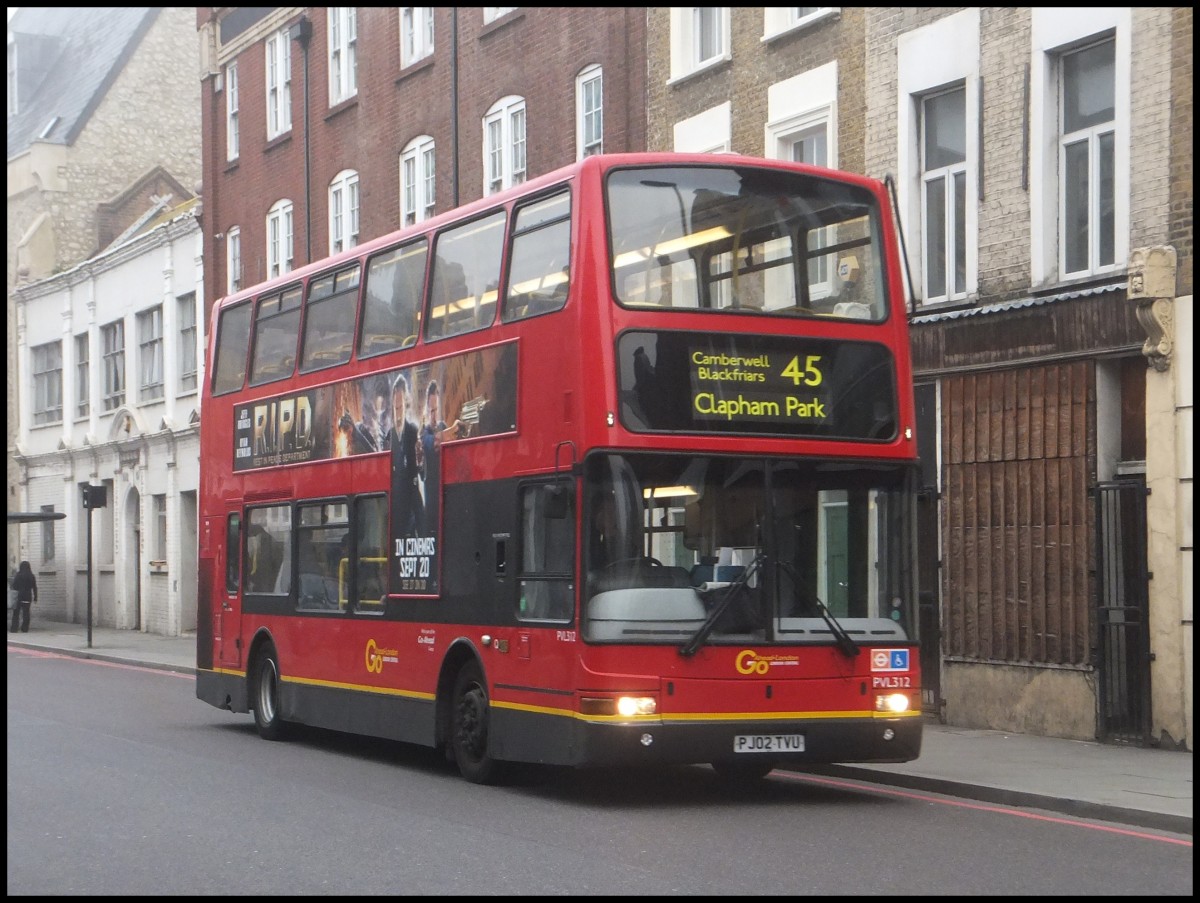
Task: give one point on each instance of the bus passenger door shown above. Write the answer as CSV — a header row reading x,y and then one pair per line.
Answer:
x,y
545,582
227,606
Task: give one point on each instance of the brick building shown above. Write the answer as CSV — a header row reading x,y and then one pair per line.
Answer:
x,y
1033,151
326,127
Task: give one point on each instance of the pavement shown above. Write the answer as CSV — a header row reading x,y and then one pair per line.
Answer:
x,y
1142,787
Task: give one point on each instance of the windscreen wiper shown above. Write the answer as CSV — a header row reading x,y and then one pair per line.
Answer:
x,y
701,634
845,642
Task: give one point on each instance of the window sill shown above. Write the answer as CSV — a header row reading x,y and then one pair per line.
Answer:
x,y
804,24
422,65
715,63
496,24
341,107
278,141
1107,278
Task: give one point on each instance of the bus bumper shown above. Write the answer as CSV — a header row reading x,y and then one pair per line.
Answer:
x,y
825,742
225,691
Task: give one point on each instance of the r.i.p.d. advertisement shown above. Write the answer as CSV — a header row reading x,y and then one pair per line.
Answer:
x,y
407,413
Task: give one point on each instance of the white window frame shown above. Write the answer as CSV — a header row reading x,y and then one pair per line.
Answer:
x,y
927,59
416,34
1092,138
186,317
815,127
801,108
589,112
112,335
688,24
710,34
954,181
1054,31
418,180
279,238
83,375
46,363
504,144
232,133
233,259
150,354
279,83
783,20
343,211
343,53
800,104
492,13
158,504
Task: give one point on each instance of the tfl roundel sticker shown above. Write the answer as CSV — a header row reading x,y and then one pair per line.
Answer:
x,y
889,659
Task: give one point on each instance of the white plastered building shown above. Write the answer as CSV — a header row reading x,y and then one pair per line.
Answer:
x,y
110,358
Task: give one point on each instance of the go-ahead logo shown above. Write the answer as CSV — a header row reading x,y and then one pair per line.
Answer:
x,y
750,662
377,655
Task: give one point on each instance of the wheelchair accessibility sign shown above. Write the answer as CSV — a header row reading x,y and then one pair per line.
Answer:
x,y
889,659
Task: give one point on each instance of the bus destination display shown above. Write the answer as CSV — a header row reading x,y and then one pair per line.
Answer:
x,y
677,381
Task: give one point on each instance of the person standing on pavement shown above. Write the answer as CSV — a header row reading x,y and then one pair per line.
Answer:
x,y
26,586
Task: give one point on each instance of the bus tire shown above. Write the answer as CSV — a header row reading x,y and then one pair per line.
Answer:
x,y
469,726
264,691
736,771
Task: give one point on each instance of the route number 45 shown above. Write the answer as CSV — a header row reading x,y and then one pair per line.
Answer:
x,y
808,375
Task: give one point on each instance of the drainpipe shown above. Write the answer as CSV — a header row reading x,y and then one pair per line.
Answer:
x,y
454,104
302,35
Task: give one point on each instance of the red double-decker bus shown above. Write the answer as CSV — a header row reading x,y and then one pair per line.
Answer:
x,y
614,468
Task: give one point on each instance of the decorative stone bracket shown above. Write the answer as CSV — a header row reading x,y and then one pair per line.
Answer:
x,y
1152,288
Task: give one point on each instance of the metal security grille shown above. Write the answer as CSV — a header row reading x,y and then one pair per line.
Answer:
x,y
1122,591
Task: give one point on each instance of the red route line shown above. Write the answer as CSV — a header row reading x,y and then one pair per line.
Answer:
x,y
41,653
875,788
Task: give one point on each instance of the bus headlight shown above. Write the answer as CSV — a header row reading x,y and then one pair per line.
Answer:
x,y
628,706
894,703
625,706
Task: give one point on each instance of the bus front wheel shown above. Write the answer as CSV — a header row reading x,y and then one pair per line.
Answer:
x,y
265,693
469,726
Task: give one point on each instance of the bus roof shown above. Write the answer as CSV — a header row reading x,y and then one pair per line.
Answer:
x,y
602,162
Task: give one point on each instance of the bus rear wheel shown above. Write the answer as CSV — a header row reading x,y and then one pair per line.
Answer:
x,y
469,726
265,692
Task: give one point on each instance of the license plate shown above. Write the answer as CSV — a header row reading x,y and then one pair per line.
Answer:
x,y
768,743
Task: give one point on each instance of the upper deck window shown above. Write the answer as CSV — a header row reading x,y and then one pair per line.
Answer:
x,y
466,277
746,240
539,273
233,342
275,335
392,309
329,322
